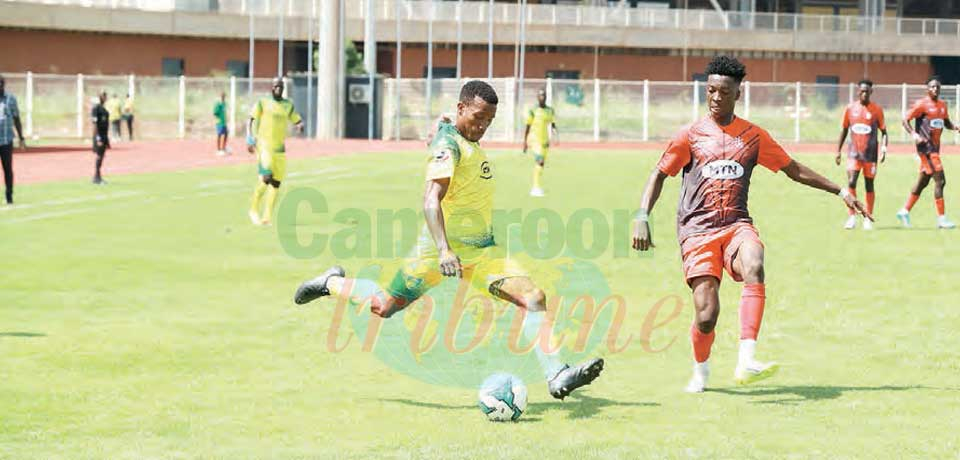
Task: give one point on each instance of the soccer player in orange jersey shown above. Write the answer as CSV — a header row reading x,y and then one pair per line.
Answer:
x,y
931,117
863,119
717,155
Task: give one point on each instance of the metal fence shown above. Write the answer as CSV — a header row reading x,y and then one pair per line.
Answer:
x,y
611,111
58,106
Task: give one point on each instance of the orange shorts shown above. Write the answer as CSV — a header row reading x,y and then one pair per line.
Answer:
x,y
711,253
869,168
931,165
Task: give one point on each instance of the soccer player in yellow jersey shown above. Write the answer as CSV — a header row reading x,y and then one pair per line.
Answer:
x,y
540,124
457,240
268,131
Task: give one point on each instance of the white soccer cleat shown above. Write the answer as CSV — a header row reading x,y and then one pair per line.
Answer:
x,y
867,225
536,191
221,153
755,372
943,222
904,217
254,217
698,382
851,223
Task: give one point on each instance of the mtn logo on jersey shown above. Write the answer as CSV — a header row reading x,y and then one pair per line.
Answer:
x,y
936,123
860,128
722,169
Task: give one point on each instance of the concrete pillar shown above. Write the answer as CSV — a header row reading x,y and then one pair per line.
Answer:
x,y
328,69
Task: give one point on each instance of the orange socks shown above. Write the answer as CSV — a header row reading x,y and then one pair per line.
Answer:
x,y
701,343
911,200
751,310
939,203
870,200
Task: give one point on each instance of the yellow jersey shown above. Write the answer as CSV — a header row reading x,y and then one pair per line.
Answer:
x,y
539,119
468,204
270,118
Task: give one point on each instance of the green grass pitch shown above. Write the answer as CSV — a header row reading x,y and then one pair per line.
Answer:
x,y
149,319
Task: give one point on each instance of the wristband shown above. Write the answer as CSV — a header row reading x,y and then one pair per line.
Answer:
x,y
642,216
251,140
843,193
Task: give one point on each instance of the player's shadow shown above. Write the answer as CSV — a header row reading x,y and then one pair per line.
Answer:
x,y
22,334
806,393
577,406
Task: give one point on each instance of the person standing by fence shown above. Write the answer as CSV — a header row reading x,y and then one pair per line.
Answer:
x,y
9,120
127,115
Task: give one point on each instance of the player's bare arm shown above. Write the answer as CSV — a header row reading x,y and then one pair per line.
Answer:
x,y
251,139
806,176
555,138
884,141
642,238
433,212
906,126
525,135
843,138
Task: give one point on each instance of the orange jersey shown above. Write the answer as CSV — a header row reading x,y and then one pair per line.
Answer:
x,y
864,122
717,162
930,117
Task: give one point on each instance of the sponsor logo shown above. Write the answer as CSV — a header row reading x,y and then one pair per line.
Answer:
x,y
936,123
441,155
722,169
485,171
861,128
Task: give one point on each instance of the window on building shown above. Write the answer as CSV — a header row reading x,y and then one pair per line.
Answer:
x,y
239,69
441,72
563,74
172,67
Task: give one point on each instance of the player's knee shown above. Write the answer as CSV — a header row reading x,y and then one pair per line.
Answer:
x,y
753,270
267,178
706,320
535,300
275,183
852,182
868,185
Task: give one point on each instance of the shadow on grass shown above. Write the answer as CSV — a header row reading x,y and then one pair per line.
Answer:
x,y
581,406
801,393
22,334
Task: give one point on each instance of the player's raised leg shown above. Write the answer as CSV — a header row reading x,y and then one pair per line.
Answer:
x,y
334,282
562,379
748,265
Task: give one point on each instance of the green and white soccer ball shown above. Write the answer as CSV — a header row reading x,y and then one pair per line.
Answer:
x,y
503,397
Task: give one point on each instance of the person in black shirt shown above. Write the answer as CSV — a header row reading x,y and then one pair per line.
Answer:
x,y
101,135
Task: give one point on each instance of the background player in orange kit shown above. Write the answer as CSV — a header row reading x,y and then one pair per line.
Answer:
x,y
864,118
931,117
717,155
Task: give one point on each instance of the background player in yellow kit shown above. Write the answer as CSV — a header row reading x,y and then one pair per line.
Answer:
x,y
268,131
540,123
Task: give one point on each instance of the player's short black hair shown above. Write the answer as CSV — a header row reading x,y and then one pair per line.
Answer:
x,y
475,88
727,66
934,77
865,82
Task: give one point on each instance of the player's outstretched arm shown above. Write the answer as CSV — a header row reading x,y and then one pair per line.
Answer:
x,y
642,238
251,139
884,141
433,212
843,138
806,176
556,134
525,135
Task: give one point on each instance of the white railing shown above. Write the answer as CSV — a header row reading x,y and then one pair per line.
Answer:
x,y
558,15
57,106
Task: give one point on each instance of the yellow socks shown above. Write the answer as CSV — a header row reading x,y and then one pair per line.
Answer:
x,y
257,195
272,193
537,174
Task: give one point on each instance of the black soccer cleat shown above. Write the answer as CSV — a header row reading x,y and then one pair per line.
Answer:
x,y
317,287
571,378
